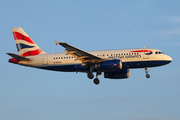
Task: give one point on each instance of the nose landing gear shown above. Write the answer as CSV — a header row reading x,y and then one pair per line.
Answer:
x,y
147,75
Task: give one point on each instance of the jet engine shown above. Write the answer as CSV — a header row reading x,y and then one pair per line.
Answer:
x,y
109,65
120,74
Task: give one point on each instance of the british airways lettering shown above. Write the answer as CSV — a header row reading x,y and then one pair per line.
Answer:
x,y
122,56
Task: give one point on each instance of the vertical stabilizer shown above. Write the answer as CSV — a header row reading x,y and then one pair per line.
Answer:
x,y
25,45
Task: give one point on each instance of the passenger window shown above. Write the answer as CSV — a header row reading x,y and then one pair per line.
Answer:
x,y
56,57
61,57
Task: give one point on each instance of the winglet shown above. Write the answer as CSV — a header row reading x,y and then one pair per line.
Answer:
x,y
57,42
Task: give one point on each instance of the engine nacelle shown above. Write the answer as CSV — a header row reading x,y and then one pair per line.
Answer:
x,y
120,74
109,65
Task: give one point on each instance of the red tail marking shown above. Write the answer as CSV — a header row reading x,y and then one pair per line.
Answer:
x,y
18,35
31,53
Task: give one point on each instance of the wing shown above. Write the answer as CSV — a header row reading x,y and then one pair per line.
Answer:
x,y
79,54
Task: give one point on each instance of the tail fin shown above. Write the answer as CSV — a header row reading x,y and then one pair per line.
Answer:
x,y
25,45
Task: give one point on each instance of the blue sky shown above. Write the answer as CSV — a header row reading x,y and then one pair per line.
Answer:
x,y
28,93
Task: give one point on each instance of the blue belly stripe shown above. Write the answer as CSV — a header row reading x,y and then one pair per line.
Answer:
x,y
126,65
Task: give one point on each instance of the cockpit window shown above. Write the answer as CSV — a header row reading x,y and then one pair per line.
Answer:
x,y
159,52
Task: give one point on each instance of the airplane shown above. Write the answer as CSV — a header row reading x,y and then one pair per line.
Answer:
x,y
114,63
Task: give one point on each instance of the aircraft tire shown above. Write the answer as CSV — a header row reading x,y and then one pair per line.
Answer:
x,y
147,76
90,75
96,81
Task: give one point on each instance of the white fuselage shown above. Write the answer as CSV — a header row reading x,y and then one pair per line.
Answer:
x,y
131,58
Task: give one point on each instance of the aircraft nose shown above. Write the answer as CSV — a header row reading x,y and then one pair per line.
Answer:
x,y
168,58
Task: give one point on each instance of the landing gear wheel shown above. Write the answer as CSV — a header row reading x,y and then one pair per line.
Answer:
x,y
147,75
96,81
90,75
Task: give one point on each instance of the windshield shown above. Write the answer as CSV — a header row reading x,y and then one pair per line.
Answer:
x,y
159,52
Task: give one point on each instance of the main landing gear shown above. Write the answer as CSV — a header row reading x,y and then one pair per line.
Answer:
x,y
96,80
147,75
90,75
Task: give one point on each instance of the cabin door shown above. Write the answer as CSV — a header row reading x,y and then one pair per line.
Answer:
x,y
45,59
146,54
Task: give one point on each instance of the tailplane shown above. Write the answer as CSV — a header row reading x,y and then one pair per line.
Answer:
x,y
25,45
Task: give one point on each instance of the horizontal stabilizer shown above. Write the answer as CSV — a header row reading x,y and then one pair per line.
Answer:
x,y
19,58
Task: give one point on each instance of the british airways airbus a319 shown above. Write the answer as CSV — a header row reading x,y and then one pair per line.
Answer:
x,y
114,63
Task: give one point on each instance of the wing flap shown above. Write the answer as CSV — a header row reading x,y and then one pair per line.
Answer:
x,y
79,54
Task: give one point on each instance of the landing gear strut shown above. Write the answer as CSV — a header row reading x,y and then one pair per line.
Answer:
x,y
147,75
96,80
91,76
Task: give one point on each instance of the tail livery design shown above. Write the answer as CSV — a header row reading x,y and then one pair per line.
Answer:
x,y
25,45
